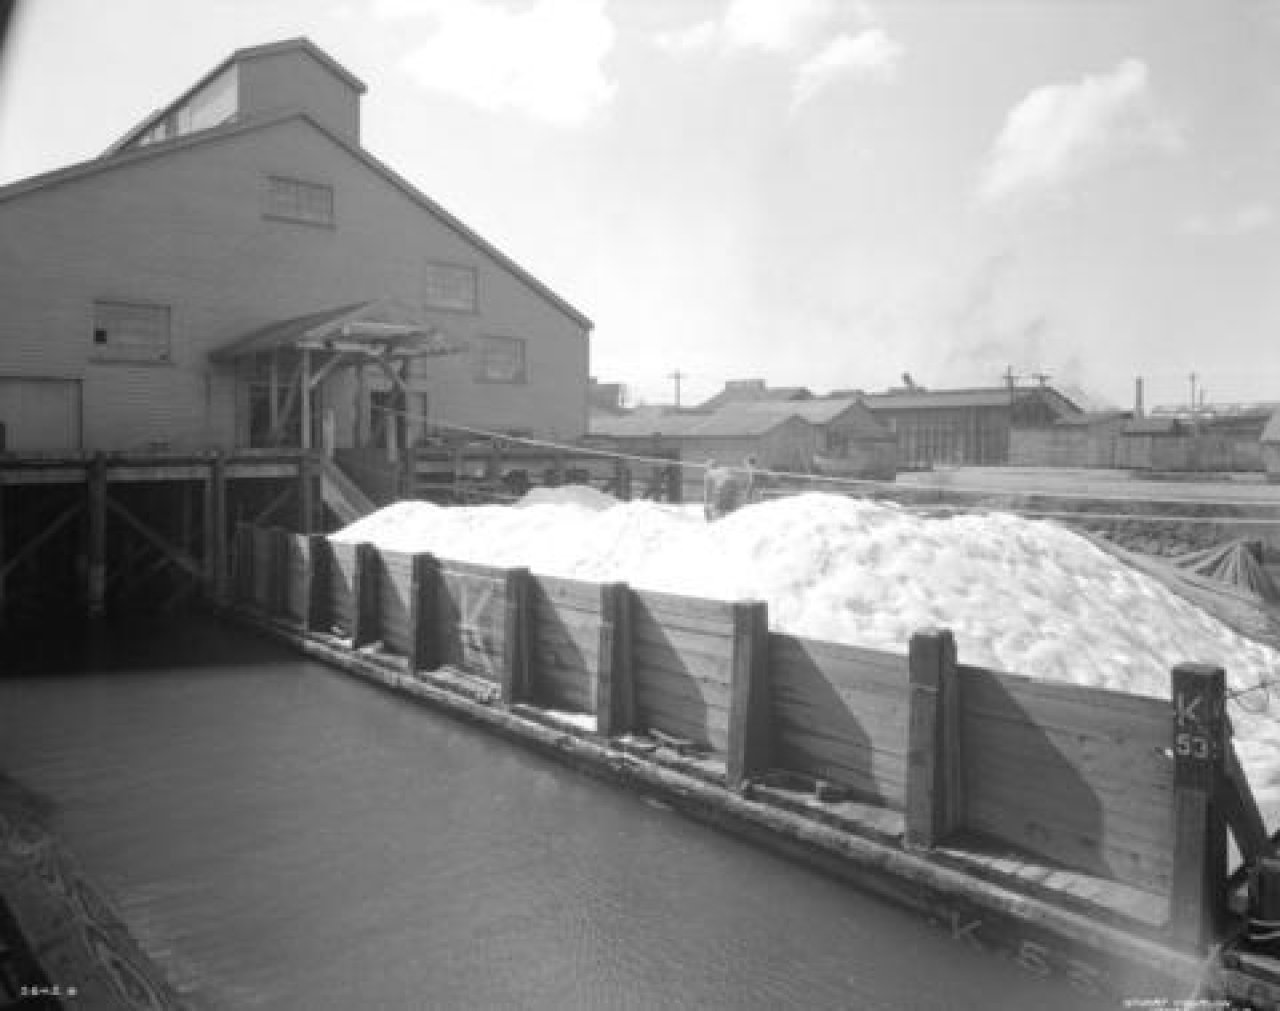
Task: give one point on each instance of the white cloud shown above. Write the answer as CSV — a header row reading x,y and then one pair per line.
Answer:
x,y
545,60
1062,131
774,25
695,38
767,26
870,55
1238,221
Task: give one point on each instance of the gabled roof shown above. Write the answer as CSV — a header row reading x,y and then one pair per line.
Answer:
x,y
726,423
88,169
744,394
820,411
1271,434
987,396
239,56
375,327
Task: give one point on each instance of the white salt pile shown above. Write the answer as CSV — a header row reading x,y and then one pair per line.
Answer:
x,y
1023,596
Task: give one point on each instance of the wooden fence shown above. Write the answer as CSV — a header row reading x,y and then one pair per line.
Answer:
x,y
1135,790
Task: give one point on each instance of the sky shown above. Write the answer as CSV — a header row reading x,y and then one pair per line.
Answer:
x,y
824,193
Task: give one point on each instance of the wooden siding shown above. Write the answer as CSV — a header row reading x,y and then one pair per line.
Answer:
x,y
393,581
1078,775
341,603
683,666
471,617
841,713
566,618
294,79
185,229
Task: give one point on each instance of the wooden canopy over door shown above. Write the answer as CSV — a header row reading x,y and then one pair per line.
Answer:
x,y
290,359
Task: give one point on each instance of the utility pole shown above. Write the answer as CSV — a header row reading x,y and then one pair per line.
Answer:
x,y
1010,380
1042,378
677,375
1195,418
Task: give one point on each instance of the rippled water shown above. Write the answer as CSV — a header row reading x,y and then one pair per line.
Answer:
x,y
278,835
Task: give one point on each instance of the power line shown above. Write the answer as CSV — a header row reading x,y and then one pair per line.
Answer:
x,y
827,480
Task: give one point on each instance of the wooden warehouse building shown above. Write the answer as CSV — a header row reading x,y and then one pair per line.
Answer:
x,y
237,274
964,426
247,208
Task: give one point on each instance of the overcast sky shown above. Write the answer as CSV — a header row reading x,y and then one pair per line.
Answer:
x,y
817,192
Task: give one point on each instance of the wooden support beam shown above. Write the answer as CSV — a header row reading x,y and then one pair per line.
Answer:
x,y
304,384
315,609
1197,902
208,524
286,411
328,368
516,659
242,569
306,494
1240,809
675,482
750,709
364,590
273,398
361,395
32,545
615,680
424,588
397,382
934,800
96,589
172,552
217,503
280,555
273,505
3,599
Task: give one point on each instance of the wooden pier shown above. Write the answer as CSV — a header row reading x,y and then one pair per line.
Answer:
x,y
81,532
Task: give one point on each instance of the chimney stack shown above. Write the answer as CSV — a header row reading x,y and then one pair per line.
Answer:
x,y
1137,397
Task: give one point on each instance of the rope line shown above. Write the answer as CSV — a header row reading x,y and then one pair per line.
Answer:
x,y
872,483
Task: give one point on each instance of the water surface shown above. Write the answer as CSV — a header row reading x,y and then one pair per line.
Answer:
x,y
279,835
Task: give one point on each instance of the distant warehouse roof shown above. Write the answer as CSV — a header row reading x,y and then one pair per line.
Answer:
x,y
823,411
992,396
735,421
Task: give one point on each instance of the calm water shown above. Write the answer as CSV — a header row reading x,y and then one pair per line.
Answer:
x,y
278,835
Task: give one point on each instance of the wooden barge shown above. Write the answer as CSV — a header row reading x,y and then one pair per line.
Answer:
x,y
1082,833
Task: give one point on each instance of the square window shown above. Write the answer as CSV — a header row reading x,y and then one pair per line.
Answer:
x,y
450,286
131,331
499,360
300,201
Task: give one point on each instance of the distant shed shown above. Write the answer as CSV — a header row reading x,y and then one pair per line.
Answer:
x,y
1079,440
1270,440
848,439
729,435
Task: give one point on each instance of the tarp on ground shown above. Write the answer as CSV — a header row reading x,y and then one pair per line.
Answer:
x,y
1237,563
1247,612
